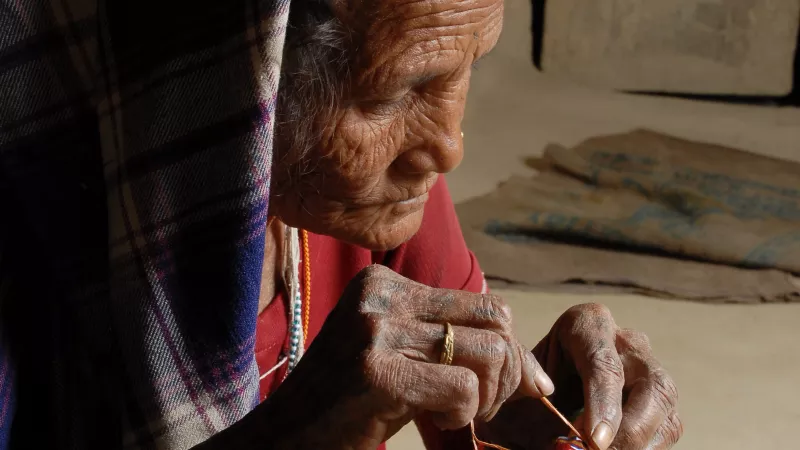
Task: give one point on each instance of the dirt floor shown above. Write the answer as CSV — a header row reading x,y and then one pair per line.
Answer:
x,y
737,367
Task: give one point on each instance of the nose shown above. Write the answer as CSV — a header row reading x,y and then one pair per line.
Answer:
x,y
439,150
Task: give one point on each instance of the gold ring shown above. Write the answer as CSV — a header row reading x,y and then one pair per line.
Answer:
x,y
448,344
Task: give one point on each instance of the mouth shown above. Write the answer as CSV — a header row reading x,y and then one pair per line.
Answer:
x,y
405,208
418,199
399,203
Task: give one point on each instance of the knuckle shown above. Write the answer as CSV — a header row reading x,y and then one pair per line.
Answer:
x,y
465,398
594,316
608,363
460,418
373,302
371,272
674,429
634,338
495,348
466,385
632,437
371,290
495,309
373,327
664,391
591,308
503,310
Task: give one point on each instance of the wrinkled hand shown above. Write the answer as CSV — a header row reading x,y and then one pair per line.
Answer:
x,y
375,366
629,402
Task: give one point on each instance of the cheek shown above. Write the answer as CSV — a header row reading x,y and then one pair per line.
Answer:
x,y
360,147
438,108
419,134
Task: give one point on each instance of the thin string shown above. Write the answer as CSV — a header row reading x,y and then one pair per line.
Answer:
x,y
274,368
563,419
479,444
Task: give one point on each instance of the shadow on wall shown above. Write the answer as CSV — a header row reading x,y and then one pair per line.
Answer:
x,y
792,99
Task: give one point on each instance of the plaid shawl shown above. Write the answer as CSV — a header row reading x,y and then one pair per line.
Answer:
x,y
135,153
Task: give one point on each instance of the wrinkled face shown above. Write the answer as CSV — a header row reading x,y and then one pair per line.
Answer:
x,y
393,127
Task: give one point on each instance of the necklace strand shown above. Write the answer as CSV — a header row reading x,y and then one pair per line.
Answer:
x,y
300,310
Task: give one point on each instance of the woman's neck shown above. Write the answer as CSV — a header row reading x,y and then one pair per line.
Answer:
x,y
271,272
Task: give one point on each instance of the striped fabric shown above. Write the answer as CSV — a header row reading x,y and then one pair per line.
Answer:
x,y
135,153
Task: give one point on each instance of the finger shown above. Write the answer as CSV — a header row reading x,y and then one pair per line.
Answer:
x,y
450,393
489,312
668,435
652,397
485,311
484,352
643,414
588,336
384,292
500,365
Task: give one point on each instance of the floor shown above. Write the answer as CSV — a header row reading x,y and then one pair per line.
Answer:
x,y
737,367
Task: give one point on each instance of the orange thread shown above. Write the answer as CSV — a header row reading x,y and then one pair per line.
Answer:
x,y
479,444
555,411
306,286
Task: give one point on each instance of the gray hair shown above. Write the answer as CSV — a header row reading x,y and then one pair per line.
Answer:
x,y
314,78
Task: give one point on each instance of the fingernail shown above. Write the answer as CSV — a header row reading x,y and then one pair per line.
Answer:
x,y
544,383
601,436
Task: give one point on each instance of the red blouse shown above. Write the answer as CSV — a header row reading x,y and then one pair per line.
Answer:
x,y
436,256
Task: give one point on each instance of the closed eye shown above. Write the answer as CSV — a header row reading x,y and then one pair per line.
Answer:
x,y
422,80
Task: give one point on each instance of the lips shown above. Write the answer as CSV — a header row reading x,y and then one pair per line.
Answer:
x,y
410,206
417,196
404,196
418,199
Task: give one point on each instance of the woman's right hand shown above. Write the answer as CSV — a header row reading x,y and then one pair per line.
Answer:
x,y
375,366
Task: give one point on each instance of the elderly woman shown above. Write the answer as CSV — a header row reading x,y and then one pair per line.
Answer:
x,y
371,310
355,306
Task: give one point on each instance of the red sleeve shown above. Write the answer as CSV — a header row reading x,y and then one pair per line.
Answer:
x,y
437,256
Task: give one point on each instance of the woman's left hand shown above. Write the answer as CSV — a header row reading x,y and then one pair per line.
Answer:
x,y
628,401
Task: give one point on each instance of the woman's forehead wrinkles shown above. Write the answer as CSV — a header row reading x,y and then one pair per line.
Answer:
x,y
430,50
424,21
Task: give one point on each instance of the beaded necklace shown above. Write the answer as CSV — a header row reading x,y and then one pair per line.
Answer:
x,y
299,310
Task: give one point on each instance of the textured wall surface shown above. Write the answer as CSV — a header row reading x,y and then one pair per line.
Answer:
x,y
743,47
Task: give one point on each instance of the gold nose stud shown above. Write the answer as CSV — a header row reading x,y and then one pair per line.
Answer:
x,y
462,135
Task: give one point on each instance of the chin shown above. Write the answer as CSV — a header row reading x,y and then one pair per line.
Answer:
x,y
377,229
382,235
